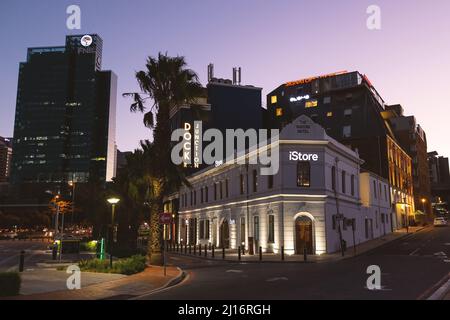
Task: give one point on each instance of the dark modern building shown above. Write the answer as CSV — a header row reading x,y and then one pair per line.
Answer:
x,y
350,109
65,115
5,158
224,104
440,181
413,140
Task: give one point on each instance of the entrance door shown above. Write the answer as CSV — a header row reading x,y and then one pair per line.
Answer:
x,y
304,235
225,235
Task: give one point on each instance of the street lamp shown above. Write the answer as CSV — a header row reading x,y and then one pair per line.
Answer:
x,y
112,201
423,204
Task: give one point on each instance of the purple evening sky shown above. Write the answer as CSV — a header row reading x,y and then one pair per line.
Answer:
x,y
408,60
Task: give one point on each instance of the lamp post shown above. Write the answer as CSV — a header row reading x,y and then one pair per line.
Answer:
x,y
423,204
72,185
112,201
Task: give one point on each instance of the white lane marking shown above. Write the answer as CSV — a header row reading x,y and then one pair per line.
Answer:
x,y
414,252
234,271
447,261
440,254
277,279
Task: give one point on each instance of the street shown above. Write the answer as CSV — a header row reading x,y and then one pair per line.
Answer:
x,y
410,266
35,252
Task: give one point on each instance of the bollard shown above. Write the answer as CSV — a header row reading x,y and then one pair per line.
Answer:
x,y
54,251
212,252
239,253
195,249
185,248
209,247
190,249
282,253
305,254
21,261
200,249
206,251
223,253
243,250
260,253
181,247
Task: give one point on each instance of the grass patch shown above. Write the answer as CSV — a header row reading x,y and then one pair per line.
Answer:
x,y
128,266
9,284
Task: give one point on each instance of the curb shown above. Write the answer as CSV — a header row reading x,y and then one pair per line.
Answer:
x,y
438,291
171,283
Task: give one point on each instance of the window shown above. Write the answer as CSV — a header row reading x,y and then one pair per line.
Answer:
x,y
303,174
344,186
192,198
348,112
226,188
273,99
347,131
221,190
215,191
374,189
327,100
242,230
206,194
201,195
271,238
202,229
333,178
241,183
270,182
329,114
352,185
385,193
311,104
255,181
279,112
195,197
334,221
256,227
207,230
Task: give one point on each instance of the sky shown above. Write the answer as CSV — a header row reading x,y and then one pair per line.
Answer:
x,y
274,41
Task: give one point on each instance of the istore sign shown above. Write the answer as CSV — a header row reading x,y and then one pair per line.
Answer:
x,y
298,156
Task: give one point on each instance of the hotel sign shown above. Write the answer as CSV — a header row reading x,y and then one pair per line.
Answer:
x,y
311,79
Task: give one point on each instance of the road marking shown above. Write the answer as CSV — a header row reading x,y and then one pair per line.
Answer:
x,y
414,252
277,279
447,261
440,254
383,288
234,271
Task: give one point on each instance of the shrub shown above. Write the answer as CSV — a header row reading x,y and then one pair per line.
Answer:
x,y
9,284
129,266
90,246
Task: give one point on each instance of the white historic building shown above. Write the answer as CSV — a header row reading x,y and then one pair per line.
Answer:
x,y
307,205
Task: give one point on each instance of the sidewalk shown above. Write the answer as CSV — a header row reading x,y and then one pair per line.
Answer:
x,y
152,279
232,255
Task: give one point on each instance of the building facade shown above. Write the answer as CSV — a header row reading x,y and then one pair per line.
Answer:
x,y
440,183
310,204
65,115
350,109
5,158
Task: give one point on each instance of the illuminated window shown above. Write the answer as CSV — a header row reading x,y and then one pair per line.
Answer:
x,y
274,99
279,112
329,114
303,174
271,238
311,104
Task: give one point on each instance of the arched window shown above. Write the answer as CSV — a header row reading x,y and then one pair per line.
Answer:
x,y
303,174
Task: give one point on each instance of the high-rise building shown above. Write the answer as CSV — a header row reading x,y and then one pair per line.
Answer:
x,y
440,182
65,115
349,107
413,140
5,158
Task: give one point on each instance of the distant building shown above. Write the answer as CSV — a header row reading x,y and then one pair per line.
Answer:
x,y
122,158
6,150
65,115
350,109
413,140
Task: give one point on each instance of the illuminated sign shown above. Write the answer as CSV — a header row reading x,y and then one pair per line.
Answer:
x,y
311,79
299,98
86,40
298,156
187,146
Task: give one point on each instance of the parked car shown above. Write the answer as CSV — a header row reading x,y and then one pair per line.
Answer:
x,y
8,235
440,222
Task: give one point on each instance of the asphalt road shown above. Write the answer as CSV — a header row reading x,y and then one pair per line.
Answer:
x,y
35,252
410,267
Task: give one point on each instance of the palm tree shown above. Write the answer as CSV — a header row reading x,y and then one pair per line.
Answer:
x,y
167,83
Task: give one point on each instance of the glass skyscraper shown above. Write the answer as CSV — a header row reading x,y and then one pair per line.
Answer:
x,y
65,115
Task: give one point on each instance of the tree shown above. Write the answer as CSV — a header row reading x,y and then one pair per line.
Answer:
x,y
167,83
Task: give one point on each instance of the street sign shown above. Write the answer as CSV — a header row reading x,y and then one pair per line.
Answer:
x,y
165,218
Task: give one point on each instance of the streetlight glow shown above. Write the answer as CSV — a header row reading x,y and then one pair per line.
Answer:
x,y
113,200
